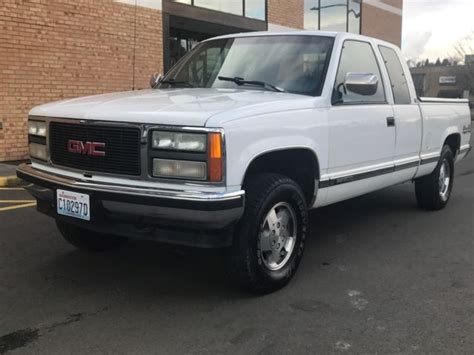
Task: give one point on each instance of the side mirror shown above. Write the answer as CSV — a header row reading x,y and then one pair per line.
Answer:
x,y
155,80
365,84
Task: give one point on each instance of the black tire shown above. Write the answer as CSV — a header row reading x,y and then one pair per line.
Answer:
x,y
88,240
429,190
247,261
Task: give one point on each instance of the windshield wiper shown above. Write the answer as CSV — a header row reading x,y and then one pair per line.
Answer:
x,y
242,81
177,82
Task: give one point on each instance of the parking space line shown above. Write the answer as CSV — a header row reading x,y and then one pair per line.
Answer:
x,y
17,201
22,205
14,188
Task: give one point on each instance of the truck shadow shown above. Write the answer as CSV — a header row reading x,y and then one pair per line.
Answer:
x,y
145,270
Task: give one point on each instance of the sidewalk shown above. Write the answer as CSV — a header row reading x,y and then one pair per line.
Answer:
x,y
8,174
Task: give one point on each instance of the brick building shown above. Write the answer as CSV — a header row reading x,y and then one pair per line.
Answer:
x,y
55,49
446,81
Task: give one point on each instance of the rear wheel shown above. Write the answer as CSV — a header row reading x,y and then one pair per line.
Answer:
x,y
88,240
433,191
269,240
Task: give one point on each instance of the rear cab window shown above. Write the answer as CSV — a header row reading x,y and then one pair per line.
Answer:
x,y
397,77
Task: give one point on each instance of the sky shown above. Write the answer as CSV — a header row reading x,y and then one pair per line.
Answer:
x,y
432,27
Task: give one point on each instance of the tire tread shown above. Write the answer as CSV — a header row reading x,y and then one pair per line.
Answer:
x,y
240,265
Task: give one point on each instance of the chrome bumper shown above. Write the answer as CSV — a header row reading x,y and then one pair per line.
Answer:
x,y
147,209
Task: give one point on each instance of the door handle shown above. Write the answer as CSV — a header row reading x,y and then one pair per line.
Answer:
x,y
390,121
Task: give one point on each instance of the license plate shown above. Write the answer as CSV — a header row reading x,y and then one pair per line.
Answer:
x,y
73,204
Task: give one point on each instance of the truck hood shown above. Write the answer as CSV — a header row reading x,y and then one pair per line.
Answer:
x,y
190,107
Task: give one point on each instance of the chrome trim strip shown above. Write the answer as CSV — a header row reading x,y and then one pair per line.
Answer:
x,y
339,180
429,160
130,190
358,171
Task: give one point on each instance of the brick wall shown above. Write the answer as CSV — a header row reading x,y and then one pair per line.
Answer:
x,y
55,49
288,13
382,24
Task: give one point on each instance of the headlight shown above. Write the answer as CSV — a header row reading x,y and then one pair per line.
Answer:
x,y
189,142
164,168
38,151
37,128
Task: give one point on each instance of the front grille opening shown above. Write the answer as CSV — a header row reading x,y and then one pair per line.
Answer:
x,y
122,148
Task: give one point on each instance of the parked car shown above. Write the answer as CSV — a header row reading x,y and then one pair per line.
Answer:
x,y
235,144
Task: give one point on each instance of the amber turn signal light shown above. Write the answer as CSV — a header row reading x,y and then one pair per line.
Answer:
x,y
215,159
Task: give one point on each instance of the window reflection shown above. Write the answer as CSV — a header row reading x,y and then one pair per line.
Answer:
x,y
296,64
249,8
255,9
358,57
333,15
311,14
235,7
354,16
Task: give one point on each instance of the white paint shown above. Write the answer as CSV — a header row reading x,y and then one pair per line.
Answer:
x,y
273,27
353,293
150,4
357,300
383,6
343,346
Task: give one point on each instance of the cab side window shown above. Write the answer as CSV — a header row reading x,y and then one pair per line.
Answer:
x,y
357,57
398,80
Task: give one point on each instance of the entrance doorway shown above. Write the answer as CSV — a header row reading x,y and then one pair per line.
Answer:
x,y
185,33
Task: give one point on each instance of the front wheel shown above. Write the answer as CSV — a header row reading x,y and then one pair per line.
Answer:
x,y
433,191
270,238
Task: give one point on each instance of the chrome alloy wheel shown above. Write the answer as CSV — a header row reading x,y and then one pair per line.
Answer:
x,y
444,180
277,236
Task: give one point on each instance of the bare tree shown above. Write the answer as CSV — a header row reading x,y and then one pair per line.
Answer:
x,y
462,48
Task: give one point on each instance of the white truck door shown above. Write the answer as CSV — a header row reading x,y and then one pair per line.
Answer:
x,y
361,131
408,121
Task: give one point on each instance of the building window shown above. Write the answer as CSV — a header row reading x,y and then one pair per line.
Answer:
x,y
311,15
333,15
235,7
255,9
353,16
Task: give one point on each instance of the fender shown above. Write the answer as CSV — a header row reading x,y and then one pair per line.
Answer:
x,y
449,132
280,149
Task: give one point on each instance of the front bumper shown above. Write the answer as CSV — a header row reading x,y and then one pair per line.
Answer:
x,y
180,217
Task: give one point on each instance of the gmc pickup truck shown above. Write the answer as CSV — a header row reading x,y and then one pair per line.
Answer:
x,y
235,144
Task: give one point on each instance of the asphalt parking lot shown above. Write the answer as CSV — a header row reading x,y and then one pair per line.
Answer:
x,y
379,276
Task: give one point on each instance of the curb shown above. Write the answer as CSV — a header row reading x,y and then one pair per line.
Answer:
x,y
9,181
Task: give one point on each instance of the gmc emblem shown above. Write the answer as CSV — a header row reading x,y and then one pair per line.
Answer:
x,y
86,148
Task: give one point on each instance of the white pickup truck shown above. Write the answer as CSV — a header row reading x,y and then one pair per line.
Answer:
x,y
235,144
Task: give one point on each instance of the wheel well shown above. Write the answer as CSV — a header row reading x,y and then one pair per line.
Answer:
x,y
299,164
454,142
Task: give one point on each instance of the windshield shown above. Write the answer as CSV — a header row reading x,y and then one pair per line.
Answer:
x,y
295,64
